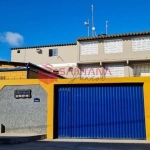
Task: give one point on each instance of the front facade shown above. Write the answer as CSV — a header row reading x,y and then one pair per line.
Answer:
x,y
120,55
70,108
110,108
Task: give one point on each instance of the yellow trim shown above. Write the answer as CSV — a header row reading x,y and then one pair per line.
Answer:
x,y
145,80
147,108
49,88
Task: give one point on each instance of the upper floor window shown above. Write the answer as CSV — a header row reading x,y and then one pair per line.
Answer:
x,y
89,48
53,52
113,46
141,44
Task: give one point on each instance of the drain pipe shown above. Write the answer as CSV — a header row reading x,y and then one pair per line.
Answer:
x,y
27,75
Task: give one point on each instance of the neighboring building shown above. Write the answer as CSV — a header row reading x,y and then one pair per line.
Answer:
x,y
121,55
18,70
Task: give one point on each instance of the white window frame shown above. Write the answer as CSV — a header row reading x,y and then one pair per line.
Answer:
x,y
89,50
115,49
54,52
140,71
90,70
143,45
109,66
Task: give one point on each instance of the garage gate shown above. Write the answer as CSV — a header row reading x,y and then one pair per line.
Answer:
x,y
100,111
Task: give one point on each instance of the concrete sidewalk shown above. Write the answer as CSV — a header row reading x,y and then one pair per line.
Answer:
x,y
14,138
101,141
79,144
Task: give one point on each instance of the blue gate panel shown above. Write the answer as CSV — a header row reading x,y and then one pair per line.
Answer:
x,y
63,113
101,111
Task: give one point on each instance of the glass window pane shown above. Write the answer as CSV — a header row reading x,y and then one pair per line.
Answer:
x,y
50,52
54,52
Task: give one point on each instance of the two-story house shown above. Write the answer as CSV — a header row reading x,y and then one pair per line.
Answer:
x,y
117,55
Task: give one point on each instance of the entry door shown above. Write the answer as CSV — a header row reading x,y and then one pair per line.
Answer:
x,y
64,112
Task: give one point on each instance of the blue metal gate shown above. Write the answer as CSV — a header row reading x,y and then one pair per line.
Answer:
x,y
101,111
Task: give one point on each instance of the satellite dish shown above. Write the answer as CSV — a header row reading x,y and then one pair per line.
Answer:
x,y
86,23
93,28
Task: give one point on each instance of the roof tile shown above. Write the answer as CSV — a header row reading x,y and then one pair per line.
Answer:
x,y
52,45
114,35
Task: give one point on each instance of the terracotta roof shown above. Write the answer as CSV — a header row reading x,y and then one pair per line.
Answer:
x,y
52,45
114,35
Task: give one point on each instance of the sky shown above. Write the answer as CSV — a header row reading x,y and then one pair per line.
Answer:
x,y
43,22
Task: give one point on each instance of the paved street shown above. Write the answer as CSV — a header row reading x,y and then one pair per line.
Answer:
x,y
82,145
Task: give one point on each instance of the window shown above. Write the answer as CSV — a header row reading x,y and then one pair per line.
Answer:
x,y
89,48
141,44
114,70
53,52
90,70
113,46
141,70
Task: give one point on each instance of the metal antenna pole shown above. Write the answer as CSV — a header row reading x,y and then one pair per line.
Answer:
x,y
106,27
88,28
92,20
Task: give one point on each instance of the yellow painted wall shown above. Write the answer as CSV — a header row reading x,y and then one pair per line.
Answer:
x,y
12,75
49,88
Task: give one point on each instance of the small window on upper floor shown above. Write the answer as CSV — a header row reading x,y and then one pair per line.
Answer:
x,y
89,48
113,46
141,44
53,52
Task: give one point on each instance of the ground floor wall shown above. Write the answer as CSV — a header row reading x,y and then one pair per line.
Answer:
x,y
47,107
23,115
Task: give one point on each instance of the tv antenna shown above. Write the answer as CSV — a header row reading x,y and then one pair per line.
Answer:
x,y
93,28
